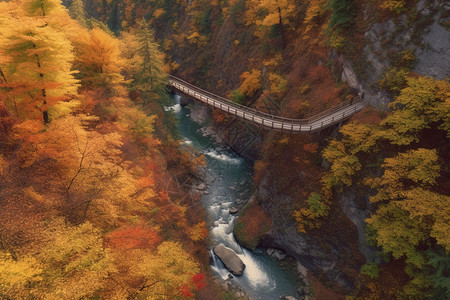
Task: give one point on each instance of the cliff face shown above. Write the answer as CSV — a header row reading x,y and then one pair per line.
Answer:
x,y
330,251
423,33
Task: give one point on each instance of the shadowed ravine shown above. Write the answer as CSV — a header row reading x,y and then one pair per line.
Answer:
x,y
229,178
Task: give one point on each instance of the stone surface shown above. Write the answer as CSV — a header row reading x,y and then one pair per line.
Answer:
x,y
230,259
316,253
201,186
434,58
279,255
357,210
185,100
234,210
276,253
430,44
200,114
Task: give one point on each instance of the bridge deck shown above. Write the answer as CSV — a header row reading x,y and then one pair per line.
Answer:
x,y
315,123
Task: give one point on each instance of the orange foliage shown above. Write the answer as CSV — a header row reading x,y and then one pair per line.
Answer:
x,y
6,121
259,168
133,238
145,181
368,115
251,225
312,147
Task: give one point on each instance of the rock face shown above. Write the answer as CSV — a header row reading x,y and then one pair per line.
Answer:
x,y
328,252
277,254
185,100
428,41
230,259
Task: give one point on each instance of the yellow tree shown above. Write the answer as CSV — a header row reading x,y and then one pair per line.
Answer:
x,y
16,275
98,59
266,13
165,273
37,72
425,103
251,82
75,262
406,182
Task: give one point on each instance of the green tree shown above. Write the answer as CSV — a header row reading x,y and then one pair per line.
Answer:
x,y
151,75
77,12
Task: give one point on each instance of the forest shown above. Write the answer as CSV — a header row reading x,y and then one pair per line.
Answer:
x,y
91,205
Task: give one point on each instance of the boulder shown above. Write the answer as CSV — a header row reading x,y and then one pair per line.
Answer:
x,y
232,188
201,186
288,298
230,259
279,255
239,201
234,210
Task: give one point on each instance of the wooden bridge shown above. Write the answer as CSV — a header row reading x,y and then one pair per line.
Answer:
x,y
320,121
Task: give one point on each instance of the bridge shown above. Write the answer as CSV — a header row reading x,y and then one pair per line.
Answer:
x,y
317,122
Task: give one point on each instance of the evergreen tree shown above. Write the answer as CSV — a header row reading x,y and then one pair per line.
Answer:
x,y
151,75
77,12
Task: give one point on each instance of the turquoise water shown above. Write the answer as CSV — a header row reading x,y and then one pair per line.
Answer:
x,y
229,177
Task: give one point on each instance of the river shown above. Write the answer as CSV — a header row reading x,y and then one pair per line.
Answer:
x,y
229,177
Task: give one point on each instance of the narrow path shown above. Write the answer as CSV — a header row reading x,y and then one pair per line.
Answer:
x,y
320,121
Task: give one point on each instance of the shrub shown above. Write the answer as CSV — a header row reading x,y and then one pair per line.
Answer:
x,y
237,96
371,270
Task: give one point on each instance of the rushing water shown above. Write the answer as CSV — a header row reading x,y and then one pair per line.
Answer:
x,y
229,178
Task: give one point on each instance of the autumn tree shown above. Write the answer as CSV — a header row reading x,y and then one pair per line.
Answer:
x,y
411,207
76,264
312,216
251,82
166,273
38,73
266,13
98,59
16,274
423,104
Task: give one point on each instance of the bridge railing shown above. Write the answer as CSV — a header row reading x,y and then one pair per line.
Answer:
x,y
265,119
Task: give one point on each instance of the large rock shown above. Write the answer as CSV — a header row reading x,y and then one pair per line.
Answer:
x,y
201,186
234,210
230,259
